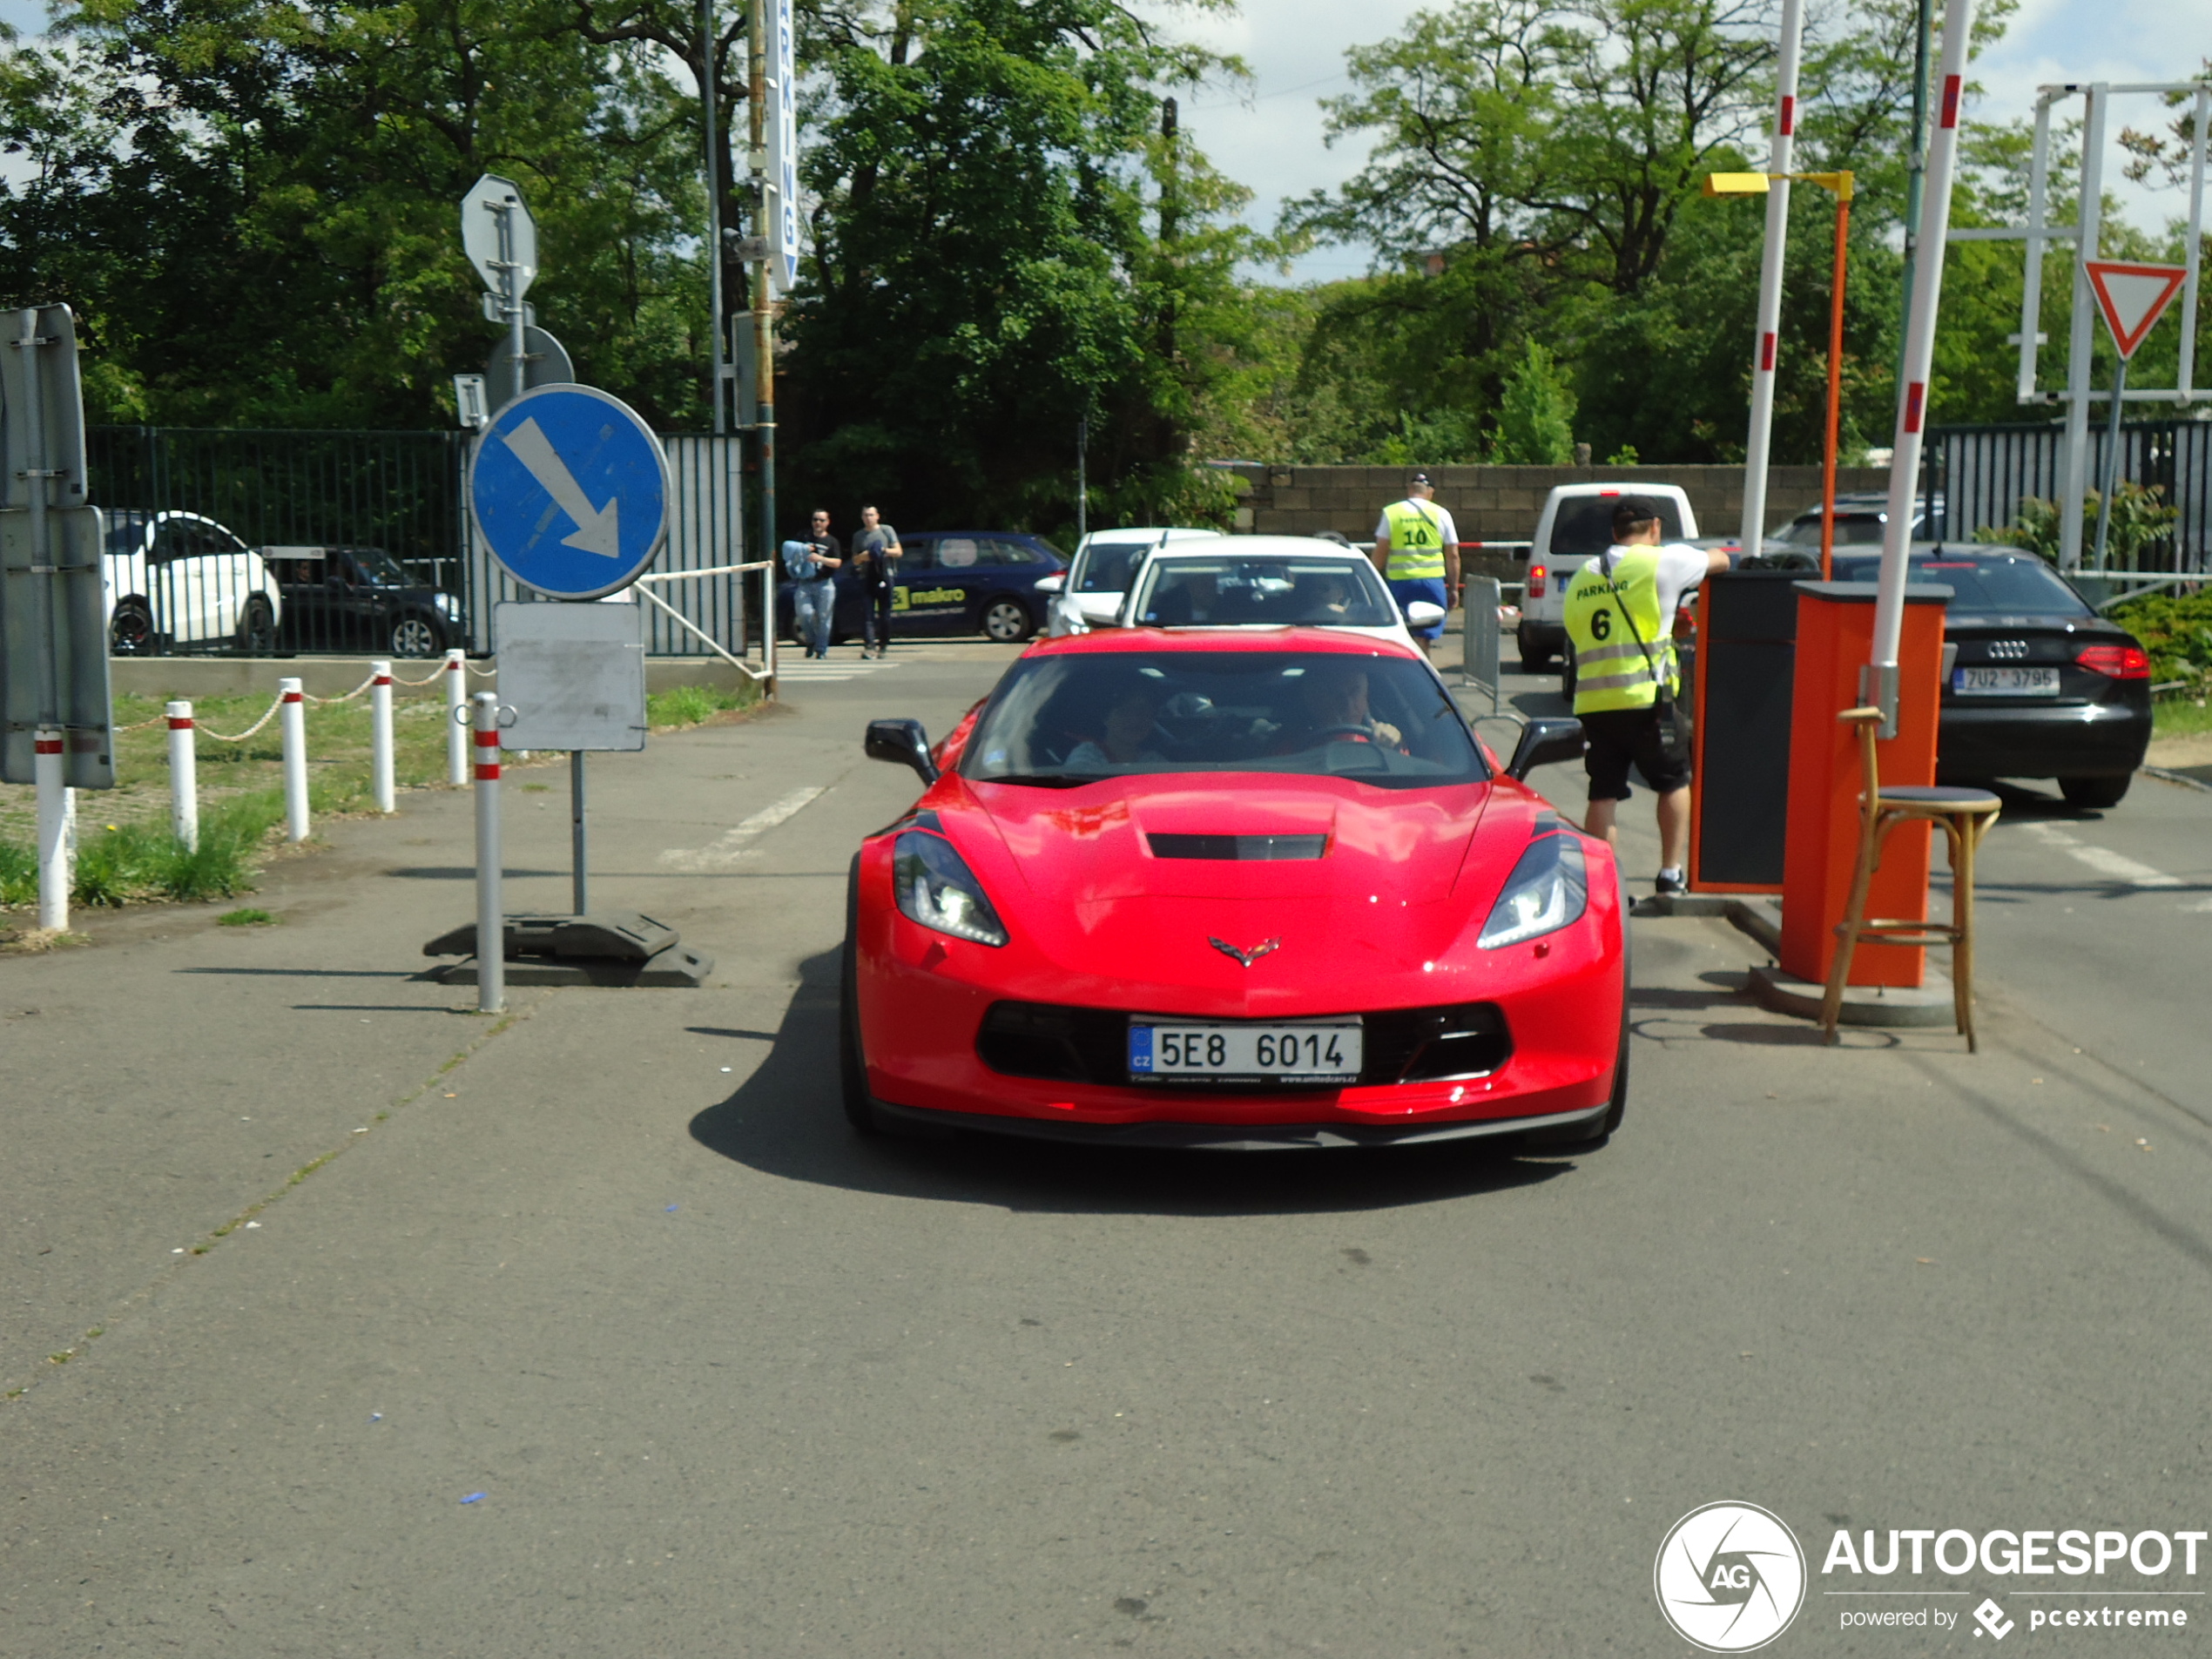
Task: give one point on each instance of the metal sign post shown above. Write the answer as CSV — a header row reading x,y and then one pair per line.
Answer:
x,y
2133,298
56,729
501,238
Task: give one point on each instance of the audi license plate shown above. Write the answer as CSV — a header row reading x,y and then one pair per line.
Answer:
x,y
1293,1052
2005,682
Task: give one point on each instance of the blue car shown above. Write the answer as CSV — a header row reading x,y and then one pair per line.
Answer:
x,y
951,581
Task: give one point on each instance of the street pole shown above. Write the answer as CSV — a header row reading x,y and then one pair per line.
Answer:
x,y
579,882
512,295
1082,483
1832,436
2074,481
491,922
1879,682
764,322
707,102
2112,464
1765,343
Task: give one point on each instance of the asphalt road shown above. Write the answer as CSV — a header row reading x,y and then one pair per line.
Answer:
x,y
730,1381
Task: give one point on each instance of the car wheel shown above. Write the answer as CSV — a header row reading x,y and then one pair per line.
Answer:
x,y
1534,659
257,629
2094,792
851,1064
1008,621
130,633
416,636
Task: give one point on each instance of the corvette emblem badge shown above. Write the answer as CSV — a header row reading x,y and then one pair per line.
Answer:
x,y
1244,958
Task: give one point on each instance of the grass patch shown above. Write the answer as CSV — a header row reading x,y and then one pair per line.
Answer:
x,y
248,917
683,705
134,863
18,873
2181,716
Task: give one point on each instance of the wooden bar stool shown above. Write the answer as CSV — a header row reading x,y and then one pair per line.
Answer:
x,y
1965,816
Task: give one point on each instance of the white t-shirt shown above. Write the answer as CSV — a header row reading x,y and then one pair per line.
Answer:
x,y
1681,567
1447,531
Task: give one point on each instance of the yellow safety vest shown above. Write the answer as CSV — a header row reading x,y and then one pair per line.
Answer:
x,y
1416,541
1613,669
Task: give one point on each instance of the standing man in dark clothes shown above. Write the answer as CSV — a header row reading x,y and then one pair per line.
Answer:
x,y
875,559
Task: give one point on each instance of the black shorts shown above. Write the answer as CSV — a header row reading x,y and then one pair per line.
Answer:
x,y
1658,747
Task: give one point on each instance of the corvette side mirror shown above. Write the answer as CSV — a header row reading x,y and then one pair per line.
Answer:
x,y
1541,743
904,743
1422,614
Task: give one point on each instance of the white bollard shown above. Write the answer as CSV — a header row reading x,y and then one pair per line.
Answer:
x,y
491,922
54,829
456,677
379,739
184,775
291,720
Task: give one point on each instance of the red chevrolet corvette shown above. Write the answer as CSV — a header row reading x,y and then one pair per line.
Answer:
x,y
1232,890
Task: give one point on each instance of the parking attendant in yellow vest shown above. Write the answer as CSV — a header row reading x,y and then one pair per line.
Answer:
x,y
1620,630
1417,549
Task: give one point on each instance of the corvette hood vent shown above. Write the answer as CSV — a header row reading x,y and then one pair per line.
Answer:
x,y
1244,849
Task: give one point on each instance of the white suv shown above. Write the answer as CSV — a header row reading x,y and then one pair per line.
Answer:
x,y
1091,593
179,579
1576,525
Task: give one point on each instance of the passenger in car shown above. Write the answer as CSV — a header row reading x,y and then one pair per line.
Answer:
x,y
1129,734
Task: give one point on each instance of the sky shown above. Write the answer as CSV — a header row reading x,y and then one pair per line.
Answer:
x,y
1272,142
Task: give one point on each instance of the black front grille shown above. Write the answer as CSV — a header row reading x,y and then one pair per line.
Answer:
x,y
1091,1045
1238,848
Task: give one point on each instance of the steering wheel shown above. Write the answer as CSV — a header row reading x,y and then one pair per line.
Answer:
x,y
1358,733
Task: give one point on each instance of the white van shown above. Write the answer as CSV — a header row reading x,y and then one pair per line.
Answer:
x,y
1576,526
1091,592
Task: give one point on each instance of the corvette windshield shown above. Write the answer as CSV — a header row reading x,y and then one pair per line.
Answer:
x,y
1062,721
1266,591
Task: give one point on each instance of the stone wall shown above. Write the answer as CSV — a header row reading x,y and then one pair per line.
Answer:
x,y
1501,504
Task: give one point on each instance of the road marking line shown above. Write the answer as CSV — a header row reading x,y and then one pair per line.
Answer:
x,y
724,852
2102,859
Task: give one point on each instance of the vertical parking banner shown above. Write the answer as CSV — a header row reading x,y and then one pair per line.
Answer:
x,y
783,156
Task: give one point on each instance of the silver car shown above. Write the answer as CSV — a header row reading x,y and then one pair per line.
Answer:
x,y
176,578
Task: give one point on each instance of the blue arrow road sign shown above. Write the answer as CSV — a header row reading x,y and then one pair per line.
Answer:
x,y
571,490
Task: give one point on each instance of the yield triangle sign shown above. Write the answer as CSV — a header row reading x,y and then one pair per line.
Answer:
x,y
2133,297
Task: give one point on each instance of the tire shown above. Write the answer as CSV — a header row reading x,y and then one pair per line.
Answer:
x,y
2094,792
416,636
130,631
256,629
1534,658
851,1064
1008,621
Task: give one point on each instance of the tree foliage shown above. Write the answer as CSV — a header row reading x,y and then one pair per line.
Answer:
x,y
253,203
1005,243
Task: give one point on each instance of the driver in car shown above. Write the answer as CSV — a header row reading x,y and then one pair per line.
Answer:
x,y
1334,697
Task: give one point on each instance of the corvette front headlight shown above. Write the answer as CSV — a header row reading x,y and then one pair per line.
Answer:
x,y
1548,889
937,889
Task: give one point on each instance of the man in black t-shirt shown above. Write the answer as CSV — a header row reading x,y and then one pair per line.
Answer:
x,y
814,596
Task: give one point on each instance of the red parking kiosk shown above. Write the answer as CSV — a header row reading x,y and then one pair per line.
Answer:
x,y
1834,641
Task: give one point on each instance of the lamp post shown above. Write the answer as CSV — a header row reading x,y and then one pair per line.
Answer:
x,y
1757,184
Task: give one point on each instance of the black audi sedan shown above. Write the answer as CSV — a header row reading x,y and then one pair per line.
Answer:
x,y
2041,685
